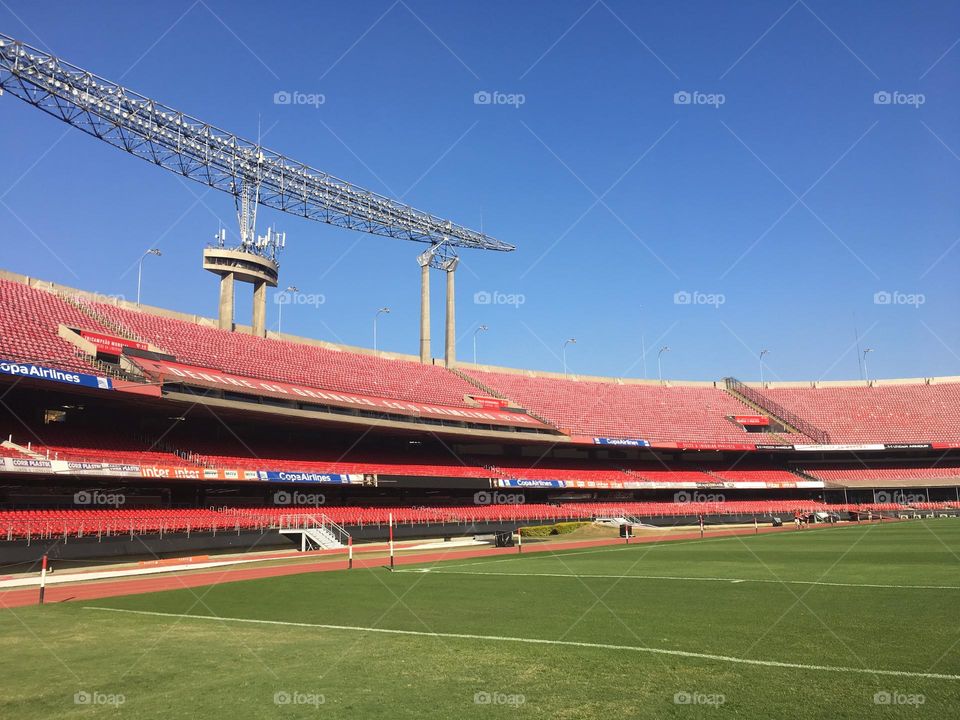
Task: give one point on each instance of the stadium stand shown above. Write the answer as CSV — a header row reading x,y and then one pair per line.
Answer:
x,y
874,473
29,321
53,523
612,409
886,413
299,363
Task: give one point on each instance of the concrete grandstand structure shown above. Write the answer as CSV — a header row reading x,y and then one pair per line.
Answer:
x,y
177,416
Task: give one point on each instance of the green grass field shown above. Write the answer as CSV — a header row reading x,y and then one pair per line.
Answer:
x,y
849,622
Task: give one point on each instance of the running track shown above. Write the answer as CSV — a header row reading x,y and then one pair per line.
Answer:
x,y
176,581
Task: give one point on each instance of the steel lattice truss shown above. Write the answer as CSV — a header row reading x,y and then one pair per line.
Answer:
x,y
214,157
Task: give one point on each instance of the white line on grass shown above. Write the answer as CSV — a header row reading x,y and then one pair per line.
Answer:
x,y
441,571
542,641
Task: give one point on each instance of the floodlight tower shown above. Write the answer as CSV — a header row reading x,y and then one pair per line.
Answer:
x,y
254,175
254,260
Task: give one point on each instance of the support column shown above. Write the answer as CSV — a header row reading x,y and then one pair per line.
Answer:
x,y
450,356
260,308
425,313
225,313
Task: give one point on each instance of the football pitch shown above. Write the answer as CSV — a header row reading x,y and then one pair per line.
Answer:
x,y
847,622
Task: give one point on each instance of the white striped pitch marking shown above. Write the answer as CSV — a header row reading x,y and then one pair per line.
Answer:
x,y
768,581
543,641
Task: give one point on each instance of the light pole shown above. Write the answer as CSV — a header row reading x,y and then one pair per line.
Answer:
x,y
659,366
292,289
568,341
482,328
643,346
381,311
866,374
151,251
762,353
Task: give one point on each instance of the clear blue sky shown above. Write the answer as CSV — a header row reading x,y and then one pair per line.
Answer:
x,y
797,199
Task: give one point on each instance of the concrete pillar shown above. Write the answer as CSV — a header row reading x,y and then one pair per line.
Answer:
x,y
260,308
450,356
225,313
425,314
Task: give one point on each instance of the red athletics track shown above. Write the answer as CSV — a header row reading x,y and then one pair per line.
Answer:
x,y
175,581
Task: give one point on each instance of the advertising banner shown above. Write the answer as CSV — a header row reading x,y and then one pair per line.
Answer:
x,y
41,372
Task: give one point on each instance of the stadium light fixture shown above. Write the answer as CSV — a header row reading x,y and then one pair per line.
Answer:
x,y
866,374
659,366
762,353
151,251
481,328
291,290
563,350
381,311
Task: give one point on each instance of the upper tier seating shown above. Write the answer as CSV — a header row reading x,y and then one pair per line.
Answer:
x,y
886,413
29,319
297,363
610,409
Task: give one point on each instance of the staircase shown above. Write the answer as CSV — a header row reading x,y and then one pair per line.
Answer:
x,y
314,532
106,322
758,401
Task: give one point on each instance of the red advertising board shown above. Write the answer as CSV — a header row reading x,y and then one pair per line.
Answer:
x,y
168,371
488,402
110,344
751,419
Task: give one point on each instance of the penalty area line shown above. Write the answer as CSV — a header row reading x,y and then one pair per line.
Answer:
x,y
540,641
732,580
